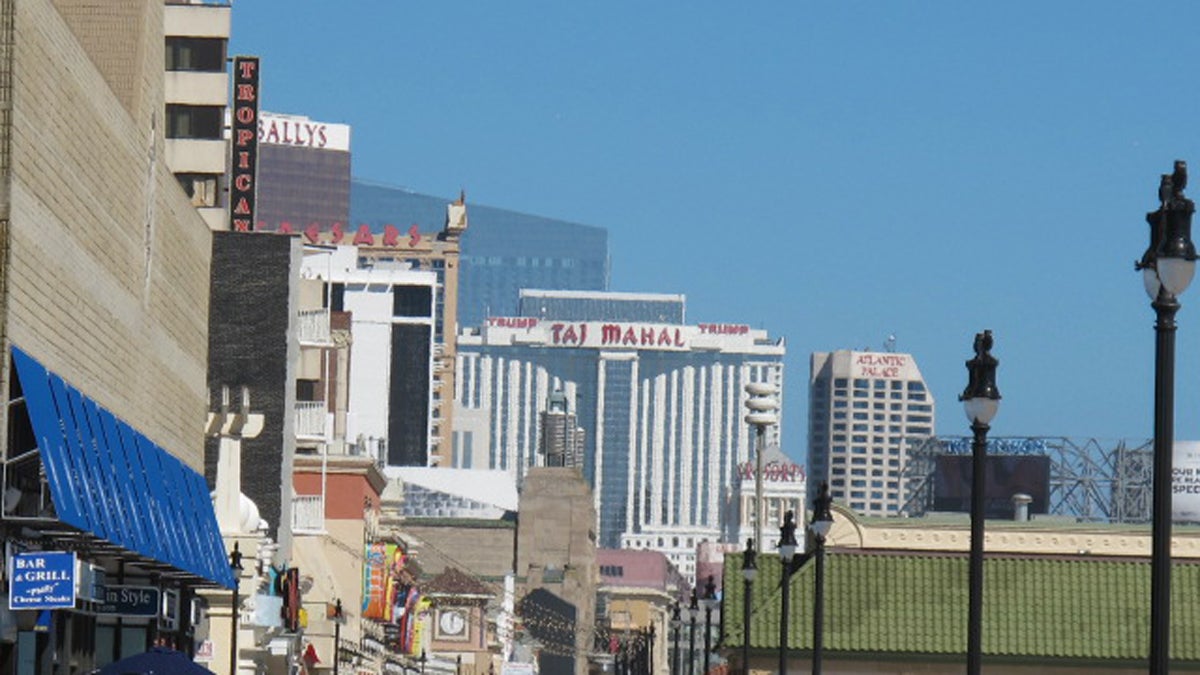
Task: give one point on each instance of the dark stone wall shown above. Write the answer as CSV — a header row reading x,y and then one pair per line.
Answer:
x,y
249,332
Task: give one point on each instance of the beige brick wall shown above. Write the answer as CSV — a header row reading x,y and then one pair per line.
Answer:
x,y
108,271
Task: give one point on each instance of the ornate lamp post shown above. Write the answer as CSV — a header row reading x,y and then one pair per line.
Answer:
x,y
338,617
676,627
749,572
694,612
762,404
235,564
822,521
650,652
1167,266
981,400
710,603
787,550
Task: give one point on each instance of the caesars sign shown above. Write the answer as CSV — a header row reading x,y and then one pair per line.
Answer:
x,y
612,335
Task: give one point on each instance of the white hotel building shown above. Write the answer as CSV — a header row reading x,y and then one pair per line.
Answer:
x,y
660,403
865,410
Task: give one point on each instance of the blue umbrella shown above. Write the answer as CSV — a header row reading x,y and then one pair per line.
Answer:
x,y
157,661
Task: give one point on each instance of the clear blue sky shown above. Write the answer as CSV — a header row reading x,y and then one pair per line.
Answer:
x,y
832,171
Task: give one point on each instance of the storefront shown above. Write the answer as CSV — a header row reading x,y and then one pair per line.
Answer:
x,y
107,535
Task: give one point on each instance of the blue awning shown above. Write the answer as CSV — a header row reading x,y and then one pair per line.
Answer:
x,y
107,479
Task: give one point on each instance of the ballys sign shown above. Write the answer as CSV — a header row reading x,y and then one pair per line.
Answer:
x,y
774,472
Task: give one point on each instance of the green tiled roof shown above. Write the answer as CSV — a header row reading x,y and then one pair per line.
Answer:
x,y
915,604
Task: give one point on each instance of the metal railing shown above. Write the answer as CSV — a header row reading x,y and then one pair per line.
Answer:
x,y
308,513
311,419
312,326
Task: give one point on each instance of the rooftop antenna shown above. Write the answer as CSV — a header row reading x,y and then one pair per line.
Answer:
x,y
889,345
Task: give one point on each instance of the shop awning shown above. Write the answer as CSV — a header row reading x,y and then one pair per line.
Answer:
x,y
111,481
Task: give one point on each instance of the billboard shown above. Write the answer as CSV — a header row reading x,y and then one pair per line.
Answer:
x,y
1185,482
1004,476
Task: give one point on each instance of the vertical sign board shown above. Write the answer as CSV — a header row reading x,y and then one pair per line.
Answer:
x,y
42,580
243,177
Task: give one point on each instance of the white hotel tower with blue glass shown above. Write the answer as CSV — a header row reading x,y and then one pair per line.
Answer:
x,y
660,403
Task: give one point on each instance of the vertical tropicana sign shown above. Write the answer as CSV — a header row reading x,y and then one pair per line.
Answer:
x,y
244,162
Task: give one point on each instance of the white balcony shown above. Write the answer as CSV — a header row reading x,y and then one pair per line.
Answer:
x,y
308,514
312,420
312,327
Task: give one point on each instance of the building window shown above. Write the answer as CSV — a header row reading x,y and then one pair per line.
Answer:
x,y
201,188
308,390
412,301
196,54
195,121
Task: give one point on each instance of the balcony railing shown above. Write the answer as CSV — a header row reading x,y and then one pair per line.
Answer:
x,y
312,418
308,513
312,326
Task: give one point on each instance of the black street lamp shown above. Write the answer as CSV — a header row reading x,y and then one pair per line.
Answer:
x,y
694,612
749,572
235,564
676,627
337,635
787,550
981,400
1167,268
822,521
710,603
650,652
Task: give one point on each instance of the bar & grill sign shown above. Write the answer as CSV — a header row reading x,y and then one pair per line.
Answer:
x,y
42,580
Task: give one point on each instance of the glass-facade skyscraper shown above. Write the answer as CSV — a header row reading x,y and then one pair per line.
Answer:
x,y
660,402
502,252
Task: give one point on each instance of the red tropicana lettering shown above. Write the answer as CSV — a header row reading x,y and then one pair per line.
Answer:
x,y
391,235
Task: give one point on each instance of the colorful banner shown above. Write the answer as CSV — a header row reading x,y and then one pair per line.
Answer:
x,y
382,584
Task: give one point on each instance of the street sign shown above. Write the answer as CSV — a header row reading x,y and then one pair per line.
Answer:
x,y
42,580
129,601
